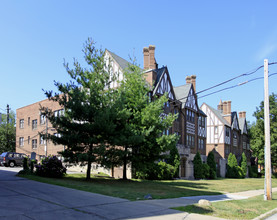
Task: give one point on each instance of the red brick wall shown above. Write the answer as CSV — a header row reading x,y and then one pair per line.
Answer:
x,y
32,112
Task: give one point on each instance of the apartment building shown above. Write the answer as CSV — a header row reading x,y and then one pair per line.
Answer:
x,y
30,123
226,133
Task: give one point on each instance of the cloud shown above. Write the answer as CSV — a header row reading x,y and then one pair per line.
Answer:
x,y
266,51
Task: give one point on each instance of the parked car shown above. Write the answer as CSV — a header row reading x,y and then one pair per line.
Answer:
x,y
11,159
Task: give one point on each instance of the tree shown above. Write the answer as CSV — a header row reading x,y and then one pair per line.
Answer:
x,y
257,131
243,164
89,109
232,167
7,133
212,165
140,130
198,166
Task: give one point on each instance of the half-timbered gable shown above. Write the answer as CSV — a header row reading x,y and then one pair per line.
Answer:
x,y
235,123
163,84
116,66
215,125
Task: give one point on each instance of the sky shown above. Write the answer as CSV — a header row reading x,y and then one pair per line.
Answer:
x,y
214,40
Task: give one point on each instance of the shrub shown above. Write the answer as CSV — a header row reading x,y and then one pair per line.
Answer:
x,y
50,167
232,167
253,171
25,164
158,171
243,165
212,165
206,171
198,167
32,164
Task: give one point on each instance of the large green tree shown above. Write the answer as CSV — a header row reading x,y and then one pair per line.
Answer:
x,y
257,131
7,133
140,130
89,109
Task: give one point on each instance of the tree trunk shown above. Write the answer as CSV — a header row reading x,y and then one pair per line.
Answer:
x,y
89,162
125,165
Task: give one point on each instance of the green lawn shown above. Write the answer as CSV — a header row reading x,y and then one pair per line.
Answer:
x,y
134,189
235,209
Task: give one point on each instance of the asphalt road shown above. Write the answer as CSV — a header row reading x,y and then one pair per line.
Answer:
x,y
25,199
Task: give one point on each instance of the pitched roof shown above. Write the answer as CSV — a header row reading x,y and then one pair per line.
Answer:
x,y
121,62
242,123
219,115
182,92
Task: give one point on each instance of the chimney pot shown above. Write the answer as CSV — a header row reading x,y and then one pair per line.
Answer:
x,y
188,80
193,81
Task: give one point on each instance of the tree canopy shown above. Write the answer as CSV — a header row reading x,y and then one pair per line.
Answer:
x,y
257,131
7,133
111,127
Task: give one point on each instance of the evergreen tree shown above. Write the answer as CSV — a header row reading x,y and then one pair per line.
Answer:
x,y
141,132
243,164
198,166
232,167
212,165
89,109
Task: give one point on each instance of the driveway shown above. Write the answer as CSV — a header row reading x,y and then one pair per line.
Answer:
x,y
25,199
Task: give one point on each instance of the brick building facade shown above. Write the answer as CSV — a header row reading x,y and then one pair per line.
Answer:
x,y
30,123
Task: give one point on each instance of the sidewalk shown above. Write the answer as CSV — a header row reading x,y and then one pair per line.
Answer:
x,y
184,201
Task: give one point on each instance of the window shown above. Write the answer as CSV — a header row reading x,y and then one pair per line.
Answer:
x,y
190,141
59,113
201,121
42,139
235,140
216,130
21,123
29,121
34,143
244,145
227,132
57,135
21,141
34,124
42,119
190,116
28,139
201,144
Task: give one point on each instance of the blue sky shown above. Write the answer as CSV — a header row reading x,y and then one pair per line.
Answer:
x,y
214,40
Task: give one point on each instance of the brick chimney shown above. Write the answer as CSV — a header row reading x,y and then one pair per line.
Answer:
x,y
188,80
146,58
149,64
242,114
193,81
227,111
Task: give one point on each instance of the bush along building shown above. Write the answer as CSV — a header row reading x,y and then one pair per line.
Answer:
x,y
226,133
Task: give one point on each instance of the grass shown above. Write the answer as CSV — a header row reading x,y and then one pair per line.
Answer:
x,y
137,189
235,209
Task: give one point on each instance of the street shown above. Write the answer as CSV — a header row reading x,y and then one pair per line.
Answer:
x,y
25,199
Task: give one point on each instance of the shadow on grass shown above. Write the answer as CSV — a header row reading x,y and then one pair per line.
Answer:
x,y
202,210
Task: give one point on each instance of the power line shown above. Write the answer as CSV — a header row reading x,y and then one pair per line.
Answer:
x,y
229,80
240,84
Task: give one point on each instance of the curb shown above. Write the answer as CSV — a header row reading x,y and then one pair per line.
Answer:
x,y
268,214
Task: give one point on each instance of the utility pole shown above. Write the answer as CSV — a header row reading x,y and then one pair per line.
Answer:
x,y
46,134
7,126
268,190
8,114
